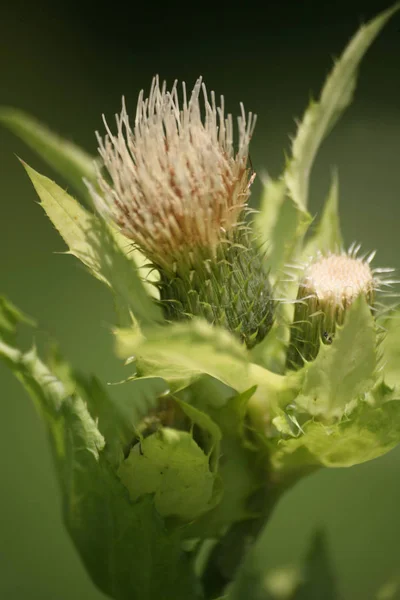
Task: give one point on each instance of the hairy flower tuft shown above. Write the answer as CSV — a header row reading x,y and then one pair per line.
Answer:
x,y
174,183
329,286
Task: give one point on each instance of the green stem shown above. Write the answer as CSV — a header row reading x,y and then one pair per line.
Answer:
x,y
228,556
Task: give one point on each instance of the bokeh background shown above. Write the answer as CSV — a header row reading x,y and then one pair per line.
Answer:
x,y
67,63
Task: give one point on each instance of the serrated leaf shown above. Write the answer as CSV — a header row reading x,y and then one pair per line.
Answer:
x,y
125,546
182,352
344,370
63,156
369,432
116,419
321,116
170,465
327,236
92,241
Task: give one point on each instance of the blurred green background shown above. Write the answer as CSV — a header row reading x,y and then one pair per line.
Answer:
x,y
67,63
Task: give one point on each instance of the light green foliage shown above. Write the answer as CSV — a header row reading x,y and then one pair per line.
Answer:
x,y
170,465
240,467
368,432
327,236
283,219
321,116
344,370
182,352
66,158
117,420
10,317
211,433
280,226
391,349
125,546
277,216
94,243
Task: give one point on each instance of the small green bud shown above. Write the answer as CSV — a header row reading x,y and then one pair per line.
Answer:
x,y
329,287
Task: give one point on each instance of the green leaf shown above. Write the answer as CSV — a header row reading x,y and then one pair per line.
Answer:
x,y
344,370
266,219
369,432
170,465
280,226
182,352
63,156
239,470
117,419
125,546
211,433
391,349
327,236
93,242
321,116
10,317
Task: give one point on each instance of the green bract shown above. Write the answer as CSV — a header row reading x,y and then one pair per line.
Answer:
x,y
222,417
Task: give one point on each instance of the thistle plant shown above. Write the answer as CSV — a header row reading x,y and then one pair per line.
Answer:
x,y
242,380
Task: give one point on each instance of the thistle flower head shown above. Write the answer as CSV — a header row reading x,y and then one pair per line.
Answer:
x,y
336,280
329,286
174,182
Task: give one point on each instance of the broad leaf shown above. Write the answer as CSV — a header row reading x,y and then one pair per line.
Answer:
x,y
66,158
321,116
170,465
182,352
344,370
91,240
367,433
125,546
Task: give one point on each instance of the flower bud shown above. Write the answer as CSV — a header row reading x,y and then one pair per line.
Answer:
x,y
329,286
